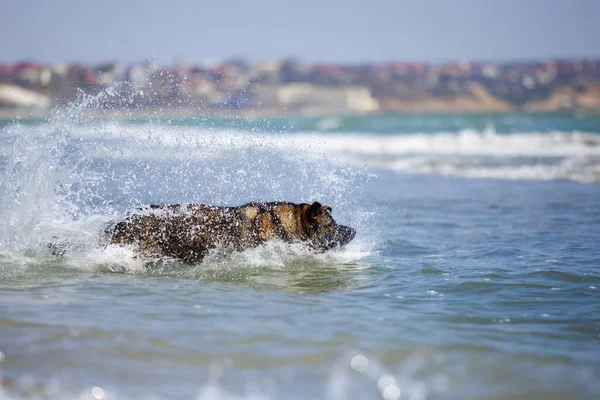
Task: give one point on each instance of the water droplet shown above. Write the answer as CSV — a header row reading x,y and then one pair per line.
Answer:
x,y
388,387
98,393
359,363
392,392
385,381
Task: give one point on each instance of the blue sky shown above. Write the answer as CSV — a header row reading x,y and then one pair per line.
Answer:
x,y
309,30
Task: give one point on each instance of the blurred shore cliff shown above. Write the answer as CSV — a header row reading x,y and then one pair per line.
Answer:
x,y
236,87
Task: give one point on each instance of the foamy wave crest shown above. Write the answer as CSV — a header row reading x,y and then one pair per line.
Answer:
x,y
466,142
470,154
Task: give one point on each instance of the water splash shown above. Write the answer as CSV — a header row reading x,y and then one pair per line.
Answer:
x,y
65,180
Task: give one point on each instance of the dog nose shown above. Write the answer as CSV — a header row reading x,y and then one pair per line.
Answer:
x,y
352,233
346,234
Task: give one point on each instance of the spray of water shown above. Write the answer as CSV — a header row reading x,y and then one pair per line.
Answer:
x,y
64,181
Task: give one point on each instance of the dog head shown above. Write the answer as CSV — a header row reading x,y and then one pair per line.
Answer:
x,y
323,232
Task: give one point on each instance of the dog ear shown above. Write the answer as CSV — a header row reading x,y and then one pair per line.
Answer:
x,y
313,210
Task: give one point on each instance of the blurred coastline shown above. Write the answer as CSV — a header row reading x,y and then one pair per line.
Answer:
x,y
289,87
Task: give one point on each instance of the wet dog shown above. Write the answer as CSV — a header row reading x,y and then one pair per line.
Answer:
x,y
190,232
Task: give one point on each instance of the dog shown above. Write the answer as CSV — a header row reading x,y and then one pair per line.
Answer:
x,y
190,232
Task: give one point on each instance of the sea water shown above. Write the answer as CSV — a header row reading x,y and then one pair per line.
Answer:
x,y
475,272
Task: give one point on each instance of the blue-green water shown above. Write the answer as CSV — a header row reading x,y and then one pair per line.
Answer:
x,y
474,273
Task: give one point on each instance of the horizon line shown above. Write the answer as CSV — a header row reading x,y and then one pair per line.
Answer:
x,y
175,61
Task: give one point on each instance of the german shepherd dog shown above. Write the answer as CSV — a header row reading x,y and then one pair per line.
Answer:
x,y
189,233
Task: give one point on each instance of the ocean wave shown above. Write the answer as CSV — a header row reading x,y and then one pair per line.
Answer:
x,y
578,169
464,142
570,156
468,153
573,156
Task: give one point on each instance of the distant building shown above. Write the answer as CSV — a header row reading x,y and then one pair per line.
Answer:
x,y
315,99
137,76
13,96
32,75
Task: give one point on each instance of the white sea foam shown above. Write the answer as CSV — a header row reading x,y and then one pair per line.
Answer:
x,y
465,142
274,255
469,154
277,254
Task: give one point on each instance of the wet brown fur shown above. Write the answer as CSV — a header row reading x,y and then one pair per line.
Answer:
x,y
190,232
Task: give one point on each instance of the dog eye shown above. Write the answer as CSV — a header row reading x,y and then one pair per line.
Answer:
x,y
329,209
